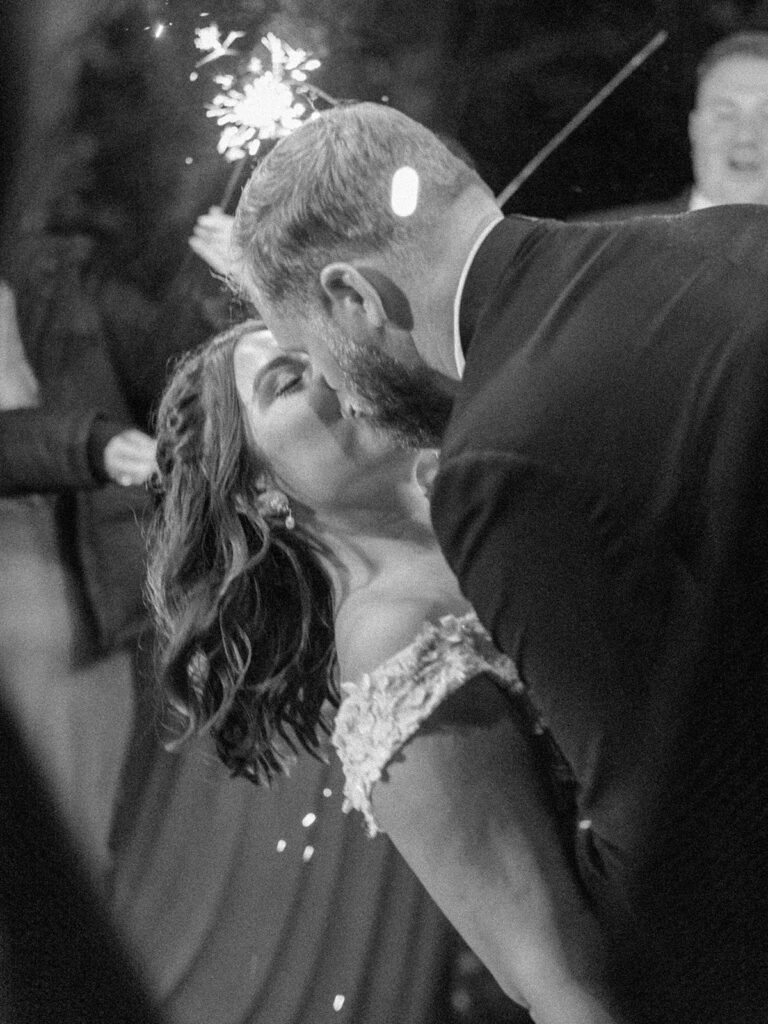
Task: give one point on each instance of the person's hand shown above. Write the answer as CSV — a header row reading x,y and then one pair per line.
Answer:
x,y
212,240
18,385
129,457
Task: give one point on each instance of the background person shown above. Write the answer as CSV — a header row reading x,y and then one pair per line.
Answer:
x,y
71,466
727,129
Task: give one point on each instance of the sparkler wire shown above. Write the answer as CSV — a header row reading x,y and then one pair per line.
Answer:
x,y
642,55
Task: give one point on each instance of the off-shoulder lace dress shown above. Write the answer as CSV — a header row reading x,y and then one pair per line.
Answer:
x,y
379,713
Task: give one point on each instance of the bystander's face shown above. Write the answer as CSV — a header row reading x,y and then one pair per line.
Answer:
x,y
728,130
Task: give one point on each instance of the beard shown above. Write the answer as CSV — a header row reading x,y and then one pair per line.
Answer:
x,y
410,404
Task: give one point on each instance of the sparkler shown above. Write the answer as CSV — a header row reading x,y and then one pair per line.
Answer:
x,y
265,103
650,47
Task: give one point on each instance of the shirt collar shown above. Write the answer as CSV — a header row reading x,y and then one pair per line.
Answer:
x,y
458,352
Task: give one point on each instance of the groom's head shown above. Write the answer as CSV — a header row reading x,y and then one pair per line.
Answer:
x,y
353,233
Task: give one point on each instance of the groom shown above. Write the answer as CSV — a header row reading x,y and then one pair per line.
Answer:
x,y
600,392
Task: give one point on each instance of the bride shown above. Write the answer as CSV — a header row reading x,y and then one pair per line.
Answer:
x,y
300,591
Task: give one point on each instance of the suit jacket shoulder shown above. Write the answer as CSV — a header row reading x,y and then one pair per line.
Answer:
x,y
660,207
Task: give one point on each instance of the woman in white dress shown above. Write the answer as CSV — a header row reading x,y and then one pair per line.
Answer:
x,y
300,591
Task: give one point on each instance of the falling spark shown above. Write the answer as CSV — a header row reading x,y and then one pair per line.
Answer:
x,y
281,845
405,191
308,819
308,853
159,29
327,792
338,1002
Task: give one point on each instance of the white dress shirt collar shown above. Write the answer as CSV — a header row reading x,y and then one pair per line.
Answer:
x,y
457,349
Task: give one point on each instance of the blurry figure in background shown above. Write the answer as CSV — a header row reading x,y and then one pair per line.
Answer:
x,y
61,959
727,128
71,551
47,449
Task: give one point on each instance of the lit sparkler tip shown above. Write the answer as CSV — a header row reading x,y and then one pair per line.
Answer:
x,y
259,104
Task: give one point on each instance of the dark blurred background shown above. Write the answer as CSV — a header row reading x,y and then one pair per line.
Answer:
x,y
131,154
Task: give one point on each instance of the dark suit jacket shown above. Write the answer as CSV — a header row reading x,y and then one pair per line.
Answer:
x,y
46,449
603,500
655,208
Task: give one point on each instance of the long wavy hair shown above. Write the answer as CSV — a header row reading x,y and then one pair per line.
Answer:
x,y
243,605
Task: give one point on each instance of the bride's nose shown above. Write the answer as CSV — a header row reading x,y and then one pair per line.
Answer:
x,y
332,376
325,399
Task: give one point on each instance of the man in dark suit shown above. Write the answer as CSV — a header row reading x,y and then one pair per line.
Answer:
x,y
727,128
602,496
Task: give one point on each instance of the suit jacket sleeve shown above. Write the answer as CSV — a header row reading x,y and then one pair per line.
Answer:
x,y
543,586
44,451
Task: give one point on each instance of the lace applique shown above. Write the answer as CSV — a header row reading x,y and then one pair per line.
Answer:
x,y
380,712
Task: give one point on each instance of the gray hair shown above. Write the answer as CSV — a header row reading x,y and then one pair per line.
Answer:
x,y
324,194
747,44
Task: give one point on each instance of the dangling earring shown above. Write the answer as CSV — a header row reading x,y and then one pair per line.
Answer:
x,y
275,503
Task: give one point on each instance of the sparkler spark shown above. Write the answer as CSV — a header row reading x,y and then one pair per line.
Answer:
x,y
208,38
263,104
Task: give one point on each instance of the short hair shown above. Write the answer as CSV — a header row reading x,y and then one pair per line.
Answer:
x,y
748,44
324,193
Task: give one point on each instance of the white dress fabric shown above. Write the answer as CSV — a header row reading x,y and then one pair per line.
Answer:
x,y
380,712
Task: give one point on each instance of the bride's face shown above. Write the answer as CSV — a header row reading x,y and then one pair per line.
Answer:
x,y
315,454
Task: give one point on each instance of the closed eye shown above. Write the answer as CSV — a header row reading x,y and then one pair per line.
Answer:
x,y
281,376
286,381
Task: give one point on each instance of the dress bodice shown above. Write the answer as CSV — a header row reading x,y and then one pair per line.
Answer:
x,y
381,711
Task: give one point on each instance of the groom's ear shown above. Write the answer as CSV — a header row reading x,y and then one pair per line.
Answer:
x,y
354,300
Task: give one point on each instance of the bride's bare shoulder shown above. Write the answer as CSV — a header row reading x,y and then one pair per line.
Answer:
x,y
375,626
